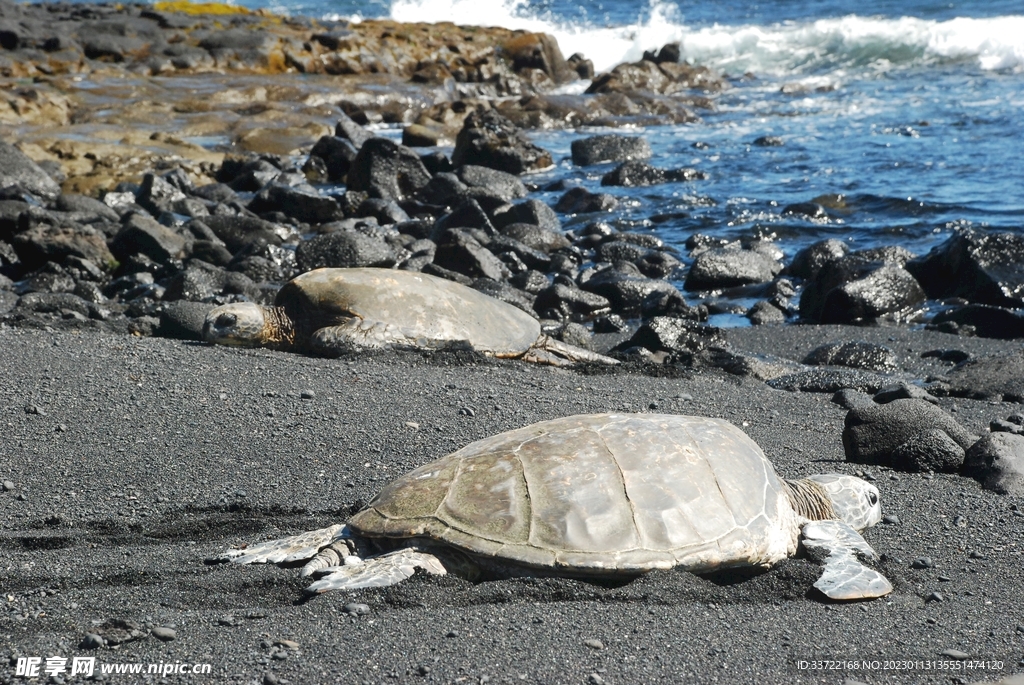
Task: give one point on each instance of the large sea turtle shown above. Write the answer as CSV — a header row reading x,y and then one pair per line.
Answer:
x,y
332,311
595,495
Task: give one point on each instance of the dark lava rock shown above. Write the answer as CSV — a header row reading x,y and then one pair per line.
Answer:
x,y
986,321
847,398
809,261
727,267
858,354
345,249
997,462
981,267
536,237
636,173
903,391
658,264
568,301
610,147
302,203
467,214
337,153
238,232
459,251
44,242
83,204
769,141
833,273
488,139
998,377
888,290
183,320
157,194
444,190
356,134
17,169
582,201
530,211
830,380
141,234
765,313
929,450
503,184
671,334
387,170
626,289
524,254
871,434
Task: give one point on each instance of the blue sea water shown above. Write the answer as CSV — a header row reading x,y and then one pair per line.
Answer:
x,y
906,118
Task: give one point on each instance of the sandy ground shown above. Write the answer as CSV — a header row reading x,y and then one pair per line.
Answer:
x,y
134,459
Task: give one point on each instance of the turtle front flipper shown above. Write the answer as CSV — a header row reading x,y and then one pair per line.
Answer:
x,y
837,545
286,550
553,352
387,569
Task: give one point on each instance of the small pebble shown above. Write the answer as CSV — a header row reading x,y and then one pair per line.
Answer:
x,y
270,679
91,641
934,597
922,562
595,679
287,644
594,643
164,634
891,519
8,485
356,609
467,411
452,633
978,555
307,394
412,424
955,654
279,654
959,522
61,428
944,579
34,409
423,669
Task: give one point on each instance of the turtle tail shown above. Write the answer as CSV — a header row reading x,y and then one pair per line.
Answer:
x,y
810,500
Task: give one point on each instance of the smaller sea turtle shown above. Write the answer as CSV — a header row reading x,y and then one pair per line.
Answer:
x,y
333,311
595,495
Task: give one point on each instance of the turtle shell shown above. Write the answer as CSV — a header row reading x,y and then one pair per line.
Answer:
x,y
600,493
422,306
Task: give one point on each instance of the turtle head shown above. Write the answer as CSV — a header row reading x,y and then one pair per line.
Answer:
x,y
240,324
854,500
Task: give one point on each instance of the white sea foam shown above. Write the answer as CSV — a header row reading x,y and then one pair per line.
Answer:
x,y
789,48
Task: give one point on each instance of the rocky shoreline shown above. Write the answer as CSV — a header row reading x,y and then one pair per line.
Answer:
x,y
113,220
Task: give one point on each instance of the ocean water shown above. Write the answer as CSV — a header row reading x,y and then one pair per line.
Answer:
x,y
905,118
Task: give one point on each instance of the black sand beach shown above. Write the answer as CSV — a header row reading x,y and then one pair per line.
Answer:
x,y
134,459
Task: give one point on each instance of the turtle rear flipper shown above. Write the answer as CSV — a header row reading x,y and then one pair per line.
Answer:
x,y
838,546
387,569
553,352
286,550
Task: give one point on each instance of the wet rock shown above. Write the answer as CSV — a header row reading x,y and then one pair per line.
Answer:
x,y
890,289
583,67
240,232
467,214
834,273
809,261
17,169
610,323
811,210
769,141
444,190
871,434
582,201
459,251
536,237
609,148
387,170
986,321
347,248
488,139
674,335
568,301
627,289
505,185
665,77
384,211
636,173
983,268
658,264
337,153
858,354
350,130
728,267
141,234
538,51
302,203
997,462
